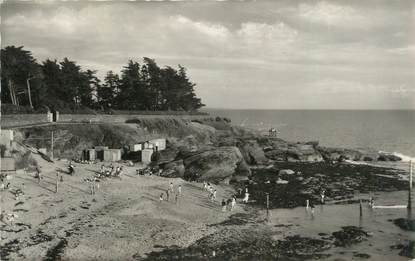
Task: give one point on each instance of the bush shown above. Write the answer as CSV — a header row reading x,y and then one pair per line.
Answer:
x,y
13,109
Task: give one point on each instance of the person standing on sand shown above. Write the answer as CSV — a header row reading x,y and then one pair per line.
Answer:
x,y
204,186
214,195
223,205
175,198
38,175
246,198
167,195
179,190
233,203
171,187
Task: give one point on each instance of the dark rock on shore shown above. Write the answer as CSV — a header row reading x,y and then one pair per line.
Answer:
x,y
174,169
292,152
340,181
245,244
362,255
405,224
216,164
301,248
339,154
388,157
252,152
408,250
349,235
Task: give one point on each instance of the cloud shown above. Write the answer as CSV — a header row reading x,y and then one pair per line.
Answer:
x,y
331,14
257,53
184,25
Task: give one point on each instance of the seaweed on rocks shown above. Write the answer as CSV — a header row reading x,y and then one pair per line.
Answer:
x,y
15,245
405,224
408,250
241,244
349,235
340,181
56,252
237,219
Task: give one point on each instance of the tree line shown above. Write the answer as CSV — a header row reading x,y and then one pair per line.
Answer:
x,y
65,85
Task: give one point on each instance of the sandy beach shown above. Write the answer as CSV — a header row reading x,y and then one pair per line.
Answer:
x,y
124,220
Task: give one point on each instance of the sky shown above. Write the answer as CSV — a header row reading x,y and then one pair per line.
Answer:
x,y
241,54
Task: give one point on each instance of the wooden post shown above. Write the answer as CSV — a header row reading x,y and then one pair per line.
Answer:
x,y
410,186
57,181
267,206
51,149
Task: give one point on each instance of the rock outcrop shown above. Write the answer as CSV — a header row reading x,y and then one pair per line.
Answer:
x,y
215,164
252,152
174,169
293,152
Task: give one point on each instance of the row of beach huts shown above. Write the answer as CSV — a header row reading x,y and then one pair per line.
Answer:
x,y
142,152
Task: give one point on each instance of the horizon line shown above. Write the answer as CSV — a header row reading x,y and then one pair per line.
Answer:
x,y
305,109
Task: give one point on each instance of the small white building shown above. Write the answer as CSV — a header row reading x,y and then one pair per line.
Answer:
x,y
7,164
159,144
146,155
92,154
136,147
112,155
6,137
148,145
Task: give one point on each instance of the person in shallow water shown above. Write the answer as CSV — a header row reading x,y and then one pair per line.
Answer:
x,y
312,206
322,196
371,202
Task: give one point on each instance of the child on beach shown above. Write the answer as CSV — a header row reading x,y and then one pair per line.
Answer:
x,y
246,198
214,195
171,186
179,190
161,197
233,203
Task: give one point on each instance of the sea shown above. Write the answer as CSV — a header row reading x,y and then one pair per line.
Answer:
x,y
388,131
391,131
